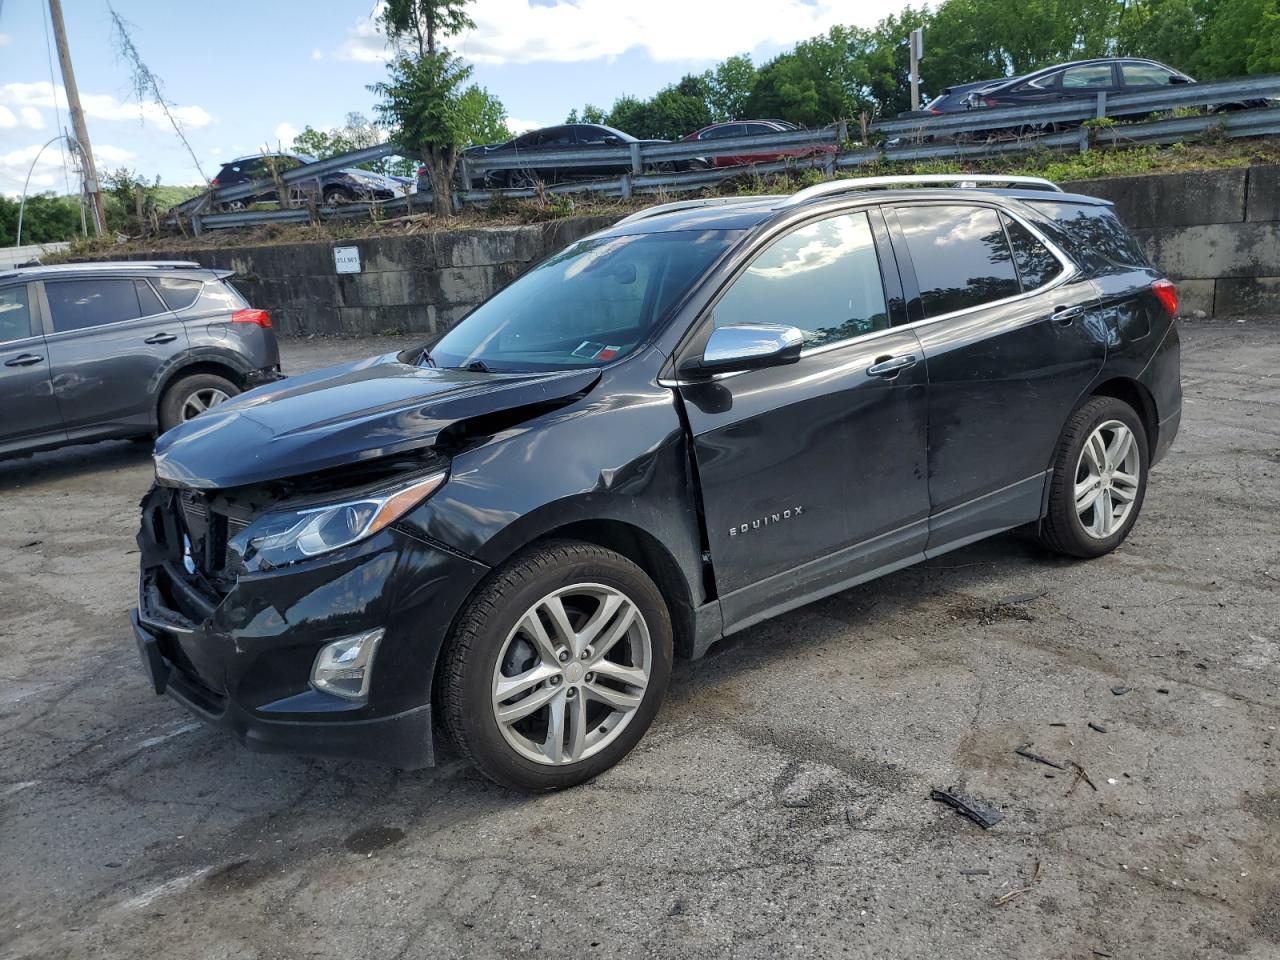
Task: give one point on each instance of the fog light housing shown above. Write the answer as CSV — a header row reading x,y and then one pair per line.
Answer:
x,y
344,667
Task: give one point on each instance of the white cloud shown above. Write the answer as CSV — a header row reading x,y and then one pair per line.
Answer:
x,y
517,31
32,118
100,106
285,132
5,39
7,119
47,172
518,126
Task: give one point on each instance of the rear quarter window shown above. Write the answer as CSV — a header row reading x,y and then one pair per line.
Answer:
x,y
219,296
178,293
1093,235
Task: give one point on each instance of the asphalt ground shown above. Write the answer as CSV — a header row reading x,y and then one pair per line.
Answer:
x,y
780,805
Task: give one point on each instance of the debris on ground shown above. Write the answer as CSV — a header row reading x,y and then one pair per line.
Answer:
x,y
1004,898
33,543
1164,690
1097,726
980,813
1080,775
1022,751
975,873
1022,597
1120,691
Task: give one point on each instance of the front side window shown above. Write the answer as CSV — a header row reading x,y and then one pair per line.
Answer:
x,y
960,256
78,304
1145,75
1096,76
823,278
590,304
15,314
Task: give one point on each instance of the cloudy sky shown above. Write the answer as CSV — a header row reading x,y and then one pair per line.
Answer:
x,y
243,74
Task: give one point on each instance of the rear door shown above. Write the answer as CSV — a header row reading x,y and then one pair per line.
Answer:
x,y
812,473
111,340
26,391
1012,334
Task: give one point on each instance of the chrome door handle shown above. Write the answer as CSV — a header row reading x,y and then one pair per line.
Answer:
x,y
161,338
890,367
23,360
1064,315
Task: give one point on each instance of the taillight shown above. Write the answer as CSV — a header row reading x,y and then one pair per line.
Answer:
x,y
935,111
214,182
1167,294
422,170
259,318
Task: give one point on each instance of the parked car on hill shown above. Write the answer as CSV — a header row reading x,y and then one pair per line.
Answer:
x,y
532,147
708,414
1083,78
91,351
750,128
336,186
952,99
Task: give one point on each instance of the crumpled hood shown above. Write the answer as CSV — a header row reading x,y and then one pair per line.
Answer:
x,y
340,415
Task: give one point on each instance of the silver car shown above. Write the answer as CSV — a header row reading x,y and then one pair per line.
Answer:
x,y
93,351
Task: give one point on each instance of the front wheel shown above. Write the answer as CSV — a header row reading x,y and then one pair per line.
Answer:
x,y
556,667
1099,480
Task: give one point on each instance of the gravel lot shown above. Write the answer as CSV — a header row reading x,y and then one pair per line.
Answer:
x,y
780,805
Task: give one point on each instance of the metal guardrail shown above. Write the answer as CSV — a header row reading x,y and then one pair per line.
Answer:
x,y
653,167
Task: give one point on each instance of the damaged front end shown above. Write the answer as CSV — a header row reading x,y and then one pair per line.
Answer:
x,y
289,605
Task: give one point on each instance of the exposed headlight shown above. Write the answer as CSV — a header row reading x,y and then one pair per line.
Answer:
x,y
287,536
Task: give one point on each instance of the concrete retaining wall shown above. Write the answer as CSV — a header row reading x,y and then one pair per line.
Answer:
x,y
1216,232
421,283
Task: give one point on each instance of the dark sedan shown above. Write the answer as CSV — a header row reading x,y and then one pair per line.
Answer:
x,y
533,147
1084,78
751,128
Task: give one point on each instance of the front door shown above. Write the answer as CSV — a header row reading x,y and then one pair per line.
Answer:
x,y
111,339
812,473
31,414
1015,337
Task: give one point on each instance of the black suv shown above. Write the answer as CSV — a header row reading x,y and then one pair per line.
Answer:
x,y
336,186
705,416
90,351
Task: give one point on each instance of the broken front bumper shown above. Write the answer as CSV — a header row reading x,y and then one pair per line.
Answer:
x,y
243,661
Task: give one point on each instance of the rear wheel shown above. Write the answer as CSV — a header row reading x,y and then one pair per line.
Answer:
x,y
336,195
557,667
191,396
1099,480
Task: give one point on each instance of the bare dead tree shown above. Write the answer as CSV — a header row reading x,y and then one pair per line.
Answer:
x,y
146,85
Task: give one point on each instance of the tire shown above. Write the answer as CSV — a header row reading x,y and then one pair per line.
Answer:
x,y
186,394
492,642
1111,480
333,196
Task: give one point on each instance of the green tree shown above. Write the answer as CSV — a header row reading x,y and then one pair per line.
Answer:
x,y
46,219
729,87
424,102
1239,38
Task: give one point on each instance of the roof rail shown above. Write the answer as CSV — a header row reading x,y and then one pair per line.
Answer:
x,y
964,180
662,208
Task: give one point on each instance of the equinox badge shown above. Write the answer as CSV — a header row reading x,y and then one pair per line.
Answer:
x,y
766,521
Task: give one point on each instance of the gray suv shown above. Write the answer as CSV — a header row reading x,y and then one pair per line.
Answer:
x,y
93,351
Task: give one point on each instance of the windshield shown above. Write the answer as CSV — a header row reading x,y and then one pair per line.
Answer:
x,y
592,303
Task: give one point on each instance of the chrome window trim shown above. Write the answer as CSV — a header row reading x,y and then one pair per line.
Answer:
x,y
117,323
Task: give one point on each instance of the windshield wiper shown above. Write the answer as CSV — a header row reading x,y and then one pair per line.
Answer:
x,y
424,360
477,366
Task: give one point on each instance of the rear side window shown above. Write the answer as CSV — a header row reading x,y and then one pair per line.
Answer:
x,y
220,297
960,256
177,292
1093,235
78,304
1036,265
15,314
823,278
1091,77
148,303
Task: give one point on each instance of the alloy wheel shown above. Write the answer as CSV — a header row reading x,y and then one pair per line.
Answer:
x,y
571,674
1107,478
200,401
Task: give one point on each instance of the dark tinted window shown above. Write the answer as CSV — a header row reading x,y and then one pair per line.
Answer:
x,y
177,292
148,302
1093,235
15,314
960,256
76,304
1036,265
556,137
719,133
1097,75
1145,75
823,278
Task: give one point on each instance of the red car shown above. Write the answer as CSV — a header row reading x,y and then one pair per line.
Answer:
x,y
749,128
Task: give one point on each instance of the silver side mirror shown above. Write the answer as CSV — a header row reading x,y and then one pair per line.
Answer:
x,y
747,346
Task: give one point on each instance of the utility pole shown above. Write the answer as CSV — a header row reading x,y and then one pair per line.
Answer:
x,y
77,115
917,54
